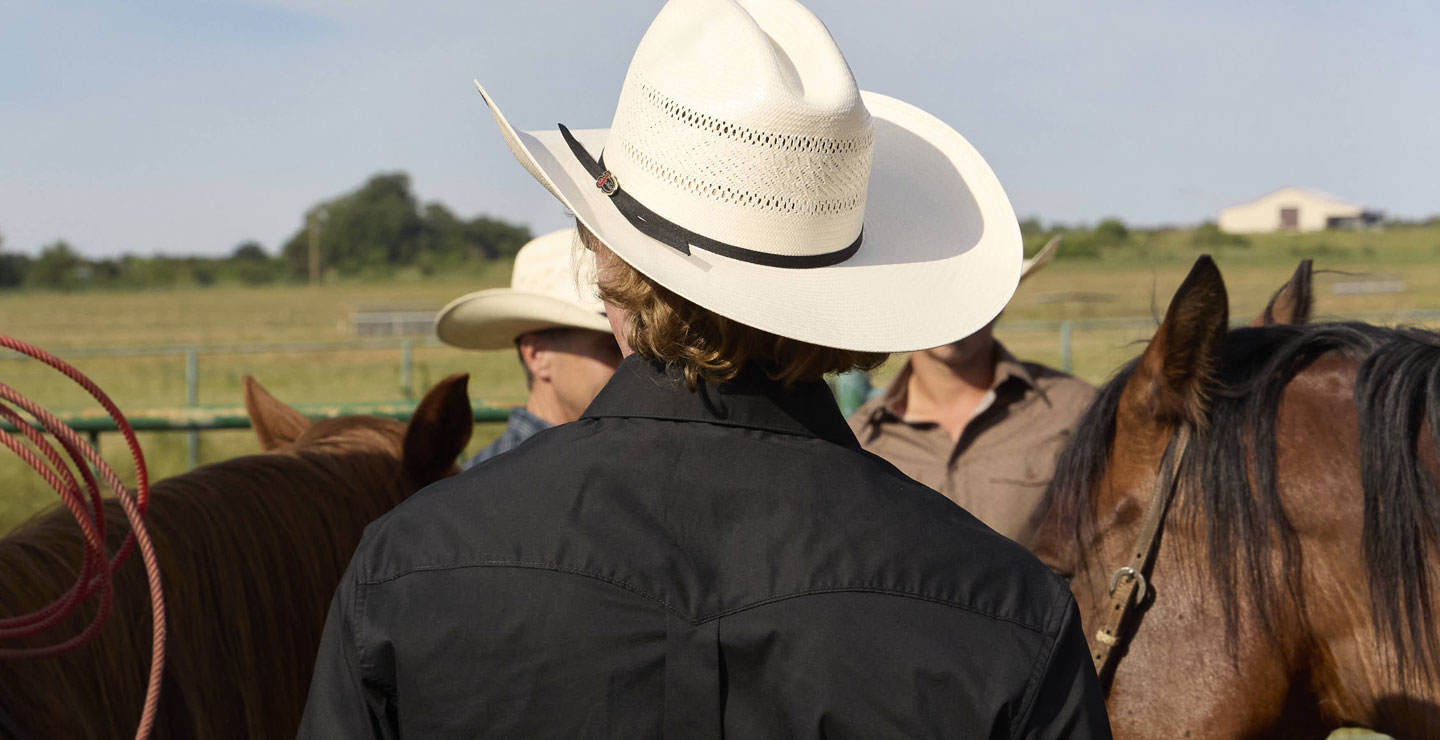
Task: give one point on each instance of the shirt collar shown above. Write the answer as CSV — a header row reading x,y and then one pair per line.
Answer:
x,y
645,389
1007,369
526,423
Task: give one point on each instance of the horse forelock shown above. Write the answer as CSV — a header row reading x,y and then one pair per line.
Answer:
x,y
353,433
1229,477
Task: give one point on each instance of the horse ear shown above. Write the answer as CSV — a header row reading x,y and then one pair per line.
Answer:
x,y
1179,364
438,431
1293,302
275,423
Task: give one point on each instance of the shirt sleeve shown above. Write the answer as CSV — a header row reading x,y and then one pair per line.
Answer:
x,y
343,703
1069,702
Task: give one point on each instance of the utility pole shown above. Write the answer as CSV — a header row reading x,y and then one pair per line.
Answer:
x,y
312,227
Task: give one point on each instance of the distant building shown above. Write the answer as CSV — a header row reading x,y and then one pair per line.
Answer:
x,y
1295,209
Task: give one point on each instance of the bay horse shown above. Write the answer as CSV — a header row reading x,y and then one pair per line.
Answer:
x,y
1250,517
251,550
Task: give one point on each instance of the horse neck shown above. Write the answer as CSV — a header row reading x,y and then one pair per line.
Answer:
x,y
294,531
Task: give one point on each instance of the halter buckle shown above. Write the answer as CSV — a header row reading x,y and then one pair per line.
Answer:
x,y
1139,578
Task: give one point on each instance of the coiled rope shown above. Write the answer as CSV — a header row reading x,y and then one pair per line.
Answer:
x,y
87,507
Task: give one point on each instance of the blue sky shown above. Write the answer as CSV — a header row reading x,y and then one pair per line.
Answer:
x,y
189,126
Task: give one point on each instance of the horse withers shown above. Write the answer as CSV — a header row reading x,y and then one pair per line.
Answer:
x,y
250,549
1289,588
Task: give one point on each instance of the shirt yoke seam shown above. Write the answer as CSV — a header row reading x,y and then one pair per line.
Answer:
x,y
540,565
752,425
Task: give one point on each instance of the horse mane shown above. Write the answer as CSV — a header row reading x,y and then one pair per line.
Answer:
x,y
251,550
1397,398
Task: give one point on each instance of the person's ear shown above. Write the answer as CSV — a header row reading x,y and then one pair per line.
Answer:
x,y
536,353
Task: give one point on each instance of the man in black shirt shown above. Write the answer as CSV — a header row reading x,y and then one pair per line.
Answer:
x,y
708,552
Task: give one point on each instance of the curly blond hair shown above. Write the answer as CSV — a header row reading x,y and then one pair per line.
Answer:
x,y
703,344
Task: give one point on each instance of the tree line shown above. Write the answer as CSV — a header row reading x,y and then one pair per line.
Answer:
x,y
381,227
1112,235
369,232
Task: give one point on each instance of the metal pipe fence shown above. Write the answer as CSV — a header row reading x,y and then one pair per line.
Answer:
x,y
201,420
1064,329
193,419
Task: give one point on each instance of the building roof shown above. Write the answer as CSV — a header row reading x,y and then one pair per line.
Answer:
x,y
1312,192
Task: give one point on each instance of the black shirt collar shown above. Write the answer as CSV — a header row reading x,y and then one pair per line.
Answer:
x,y
642,388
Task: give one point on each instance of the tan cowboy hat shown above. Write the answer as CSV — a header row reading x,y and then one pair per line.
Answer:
x,y
745,171
543,294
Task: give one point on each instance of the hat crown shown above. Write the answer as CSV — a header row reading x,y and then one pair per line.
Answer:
x,y
547,266
740,121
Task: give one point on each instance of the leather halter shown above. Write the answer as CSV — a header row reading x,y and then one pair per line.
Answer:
x,y
1128,585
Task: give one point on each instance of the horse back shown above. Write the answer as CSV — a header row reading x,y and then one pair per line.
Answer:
x,y
250,551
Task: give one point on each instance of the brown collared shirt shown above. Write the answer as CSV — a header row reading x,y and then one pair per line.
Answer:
x,y
1000,466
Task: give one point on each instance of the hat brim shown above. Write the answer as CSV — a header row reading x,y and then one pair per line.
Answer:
x,y
492,319
940,258
1042,258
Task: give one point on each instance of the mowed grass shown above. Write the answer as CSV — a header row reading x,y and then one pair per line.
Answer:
x,y
1136,281
280,314
219,315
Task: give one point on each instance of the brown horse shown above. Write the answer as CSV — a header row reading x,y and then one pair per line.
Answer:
x,y
1290,584
250,549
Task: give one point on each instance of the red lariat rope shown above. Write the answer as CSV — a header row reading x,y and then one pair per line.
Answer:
x,y
96,568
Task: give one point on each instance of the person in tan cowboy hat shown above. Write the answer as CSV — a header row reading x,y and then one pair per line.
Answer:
x,y
558,329
972,422
708,552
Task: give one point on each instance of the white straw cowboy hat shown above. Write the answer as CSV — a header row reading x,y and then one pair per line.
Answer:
x,y
543,294
745,171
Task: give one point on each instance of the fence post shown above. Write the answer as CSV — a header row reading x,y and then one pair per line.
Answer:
x,y
407,361
192,398
1066,359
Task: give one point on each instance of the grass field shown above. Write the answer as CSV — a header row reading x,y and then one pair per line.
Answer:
x,y
273,314
1134,281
